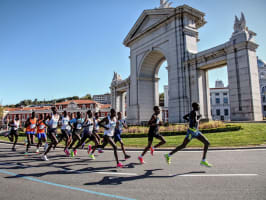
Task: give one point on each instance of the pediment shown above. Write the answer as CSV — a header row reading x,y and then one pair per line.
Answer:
x,y
147,20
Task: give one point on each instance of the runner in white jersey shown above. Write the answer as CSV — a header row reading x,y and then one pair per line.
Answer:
x,y
14,125
88,125
120,124
109,123
66,131
52,127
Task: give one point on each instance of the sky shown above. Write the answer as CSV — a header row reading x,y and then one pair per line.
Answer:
x,y
60,48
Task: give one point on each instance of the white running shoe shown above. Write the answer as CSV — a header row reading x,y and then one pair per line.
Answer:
x,y
37,150
44,157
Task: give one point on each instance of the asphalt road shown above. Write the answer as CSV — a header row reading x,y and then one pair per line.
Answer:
x,y
237,174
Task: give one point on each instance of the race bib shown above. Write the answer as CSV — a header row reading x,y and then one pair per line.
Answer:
x,y
41,127
68,128
32,126
79,126
54,124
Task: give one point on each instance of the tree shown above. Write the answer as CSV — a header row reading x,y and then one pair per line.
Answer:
x,y
161,96
1,112
87,96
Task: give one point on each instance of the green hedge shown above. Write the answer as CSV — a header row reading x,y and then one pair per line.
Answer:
x,y
211,130
139,135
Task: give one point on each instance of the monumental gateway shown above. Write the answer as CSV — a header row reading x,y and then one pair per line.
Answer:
x,y
171,34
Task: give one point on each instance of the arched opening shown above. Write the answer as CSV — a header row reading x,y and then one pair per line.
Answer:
x,y
148,83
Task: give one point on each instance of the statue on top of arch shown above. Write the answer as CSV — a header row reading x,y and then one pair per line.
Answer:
x,y
116,77
241,25
165,4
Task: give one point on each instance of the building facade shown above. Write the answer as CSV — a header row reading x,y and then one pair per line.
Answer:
x,y
262,74
102,98
219,98
72,106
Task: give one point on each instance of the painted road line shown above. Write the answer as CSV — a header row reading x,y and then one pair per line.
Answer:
x,y
65,186
97,172
217,175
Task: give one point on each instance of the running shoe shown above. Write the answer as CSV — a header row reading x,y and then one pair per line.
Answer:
x,y
72,153
75,152
44,157
141,160
89,148
26,154
152,150
14,149
127,157
120,165
37,150
66,152
168,158
205,163
100,151
92,156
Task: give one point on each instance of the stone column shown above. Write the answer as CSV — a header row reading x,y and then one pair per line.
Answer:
x,y
244,93
204,94
122,103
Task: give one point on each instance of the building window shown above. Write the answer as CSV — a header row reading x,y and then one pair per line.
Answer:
x,y
218,112
84,107
264,98
225,100
264,108
60,107
225,93
217,100
217,94
226,112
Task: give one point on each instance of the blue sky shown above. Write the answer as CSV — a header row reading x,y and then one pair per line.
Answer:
x,y
59,48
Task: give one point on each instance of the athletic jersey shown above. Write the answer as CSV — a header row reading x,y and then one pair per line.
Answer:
x,y
53,122
88,125
15,125
31,127
157,122
96,125
40,127
193,120
77,123
111,127
121,124
65,123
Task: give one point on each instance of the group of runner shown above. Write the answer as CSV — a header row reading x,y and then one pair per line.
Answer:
x,y
78,131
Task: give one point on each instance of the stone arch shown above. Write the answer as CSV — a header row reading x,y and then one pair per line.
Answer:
x,y
148,82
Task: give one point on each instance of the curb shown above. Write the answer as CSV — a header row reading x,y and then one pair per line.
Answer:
x,y
170,149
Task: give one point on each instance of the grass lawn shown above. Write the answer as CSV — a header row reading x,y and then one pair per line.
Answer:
x,y
251,134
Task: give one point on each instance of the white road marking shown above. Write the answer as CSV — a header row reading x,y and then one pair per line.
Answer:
x,y
216,175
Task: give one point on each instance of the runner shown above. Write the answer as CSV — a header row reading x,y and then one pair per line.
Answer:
x,y
120,124
30,125
109,123
95,131
14,125
52,127
193,132
41,133
87,134
154,124
66,131
76,124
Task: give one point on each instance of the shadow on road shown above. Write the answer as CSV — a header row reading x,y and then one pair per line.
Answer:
x,y
114,180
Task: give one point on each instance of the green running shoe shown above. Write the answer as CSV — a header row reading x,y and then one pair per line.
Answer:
x,y
92,156
72,153
205,163
168,159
